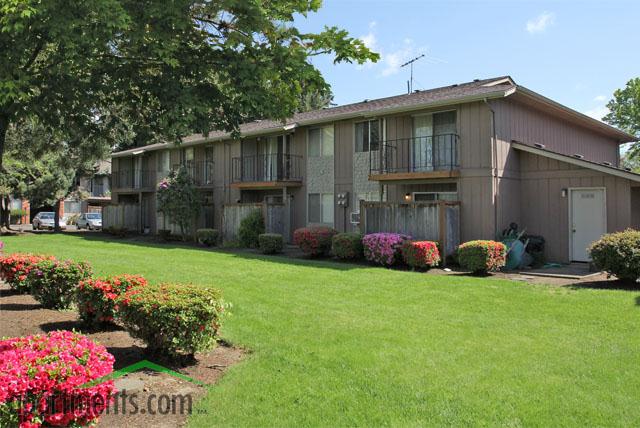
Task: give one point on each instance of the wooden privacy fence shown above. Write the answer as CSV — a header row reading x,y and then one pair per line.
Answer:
x,y
272,213
121,215
433,221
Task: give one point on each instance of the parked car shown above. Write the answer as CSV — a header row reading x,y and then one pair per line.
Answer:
x,y
46,220
90,221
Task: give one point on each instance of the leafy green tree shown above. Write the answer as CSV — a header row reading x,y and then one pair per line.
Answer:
x,y
180,201
625,114
169,68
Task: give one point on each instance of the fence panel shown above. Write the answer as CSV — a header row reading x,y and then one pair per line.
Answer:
x,y
433,221
274,218
232,215
121,215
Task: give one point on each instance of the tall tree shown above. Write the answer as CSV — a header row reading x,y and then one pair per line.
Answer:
x,y
173,68
625,114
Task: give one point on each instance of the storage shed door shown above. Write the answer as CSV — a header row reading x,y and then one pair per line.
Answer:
x,y
587,220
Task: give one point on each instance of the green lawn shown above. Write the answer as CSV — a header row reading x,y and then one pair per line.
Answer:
x,y
337,344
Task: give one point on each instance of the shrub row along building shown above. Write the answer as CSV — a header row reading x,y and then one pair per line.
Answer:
x,y
501,151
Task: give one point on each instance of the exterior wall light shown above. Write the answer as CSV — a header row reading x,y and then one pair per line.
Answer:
x,y
407,197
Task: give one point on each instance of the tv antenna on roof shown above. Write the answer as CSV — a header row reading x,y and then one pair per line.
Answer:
x,y
410,63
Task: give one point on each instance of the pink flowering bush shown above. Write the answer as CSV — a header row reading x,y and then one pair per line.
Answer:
x,y
420,254
96,297
383,248
54,283
15,268
43,377
176,320
314,241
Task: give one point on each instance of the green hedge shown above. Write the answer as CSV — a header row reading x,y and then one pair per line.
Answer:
x,y
208,237
347,246
54,283
618,254
251,227
173,319
270,243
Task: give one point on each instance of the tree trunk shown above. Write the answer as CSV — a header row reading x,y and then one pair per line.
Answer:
x,y
4,127
56,216
5,212
5,202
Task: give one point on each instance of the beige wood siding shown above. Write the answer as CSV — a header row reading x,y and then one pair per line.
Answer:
x,y
635,208
545,211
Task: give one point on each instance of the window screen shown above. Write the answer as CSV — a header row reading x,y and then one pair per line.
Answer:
x,y
327,207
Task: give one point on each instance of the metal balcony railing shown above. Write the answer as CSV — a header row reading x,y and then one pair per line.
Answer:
x,y
416,154
201,172
132,179
261,168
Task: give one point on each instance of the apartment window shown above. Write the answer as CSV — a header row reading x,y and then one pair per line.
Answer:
x,y
163,162
321,141
367,135
437,192
188,155
320,208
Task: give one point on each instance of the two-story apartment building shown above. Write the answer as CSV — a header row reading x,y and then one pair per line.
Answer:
x,y
505,152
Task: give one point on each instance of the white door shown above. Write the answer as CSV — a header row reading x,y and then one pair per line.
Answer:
x,y
587,220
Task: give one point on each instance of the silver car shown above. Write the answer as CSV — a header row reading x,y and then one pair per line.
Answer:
x,y
90,221
46,220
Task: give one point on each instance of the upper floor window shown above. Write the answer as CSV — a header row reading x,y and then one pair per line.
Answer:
x,y
368,135
163,161
321,141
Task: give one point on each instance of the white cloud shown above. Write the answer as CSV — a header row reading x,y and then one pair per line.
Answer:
x,y
600,98
597,112
540,23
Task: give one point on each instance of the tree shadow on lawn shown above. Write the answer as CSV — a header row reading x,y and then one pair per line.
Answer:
x,y
618,285
15,307
249,254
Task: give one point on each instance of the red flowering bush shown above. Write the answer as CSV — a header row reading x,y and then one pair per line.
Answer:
x,y
347,246
43,377
54,283
15,268
173,319
482,256
420,254
383,248
314,241
96,297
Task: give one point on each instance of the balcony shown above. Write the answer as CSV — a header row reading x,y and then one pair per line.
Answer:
x,y
434,156
132,180
201,172
266,171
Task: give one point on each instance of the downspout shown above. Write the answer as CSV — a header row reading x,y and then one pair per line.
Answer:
x,y
494,167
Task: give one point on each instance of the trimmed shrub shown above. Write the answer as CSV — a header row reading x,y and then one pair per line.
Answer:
x,y
173,319
618,254
208,237
119,231
43,377
347,246
96,297
383,248
251,227
482,256
54,283
314,241
164,234
420,254
15,268
270,243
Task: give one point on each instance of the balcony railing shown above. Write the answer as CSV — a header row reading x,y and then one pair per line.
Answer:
x,y
263,168
201,172
417,154
132,179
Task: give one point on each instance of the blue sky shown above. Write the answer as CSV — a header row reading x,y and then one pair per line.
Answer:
x,y
575,52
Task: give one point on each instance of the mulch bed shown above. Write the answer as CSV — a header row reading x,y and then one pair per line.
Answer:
x,y
21,315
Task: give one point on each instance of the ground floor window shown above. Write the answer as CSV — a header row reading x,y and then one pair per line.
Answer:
x,y
436,192
320,208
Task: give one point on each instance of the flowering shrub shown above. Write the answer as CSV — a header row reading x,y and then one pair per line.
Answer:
x,y
420,254
42,379
270,243
53,283
15,268
482,256
314,241
618,254
96,297
173,319
383,248
347,246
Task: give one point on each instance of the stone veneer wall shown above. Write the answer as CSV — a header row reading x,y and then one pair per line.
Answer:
x,y
361,183
320,175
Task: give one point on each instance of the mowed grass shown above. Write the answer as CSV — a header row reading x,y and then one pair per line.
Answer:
x,y
343,345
